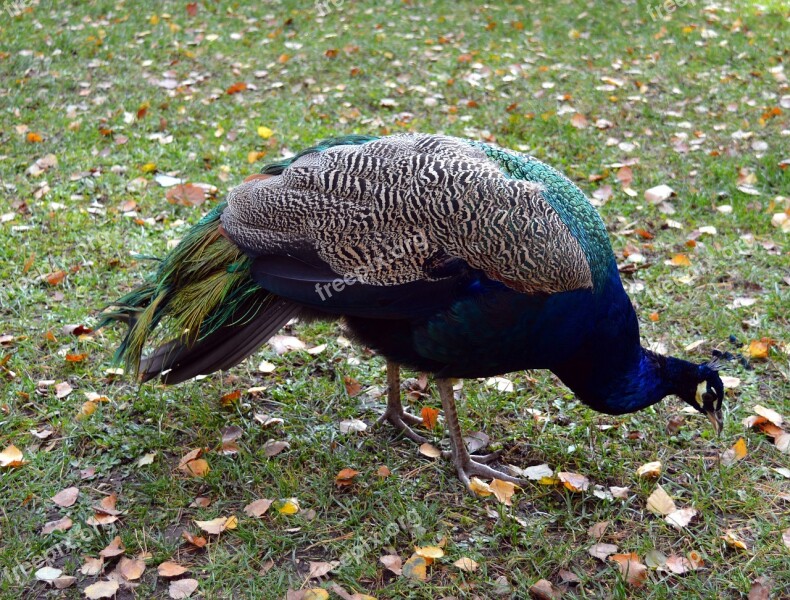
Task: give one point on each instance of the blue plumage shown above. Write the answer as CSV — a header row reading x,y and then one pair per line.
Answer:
x,y
443,255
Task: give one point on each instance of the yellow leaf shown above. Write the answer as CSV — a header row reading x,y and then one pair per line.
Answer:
x,y
548,480
290,506
197,468
734,540
148,168
480,487
315,594
503,490
265,132
649,470
232,522
154,20
11,457
254,156
660,503
87,409
758,349
416,568
680,260
429,553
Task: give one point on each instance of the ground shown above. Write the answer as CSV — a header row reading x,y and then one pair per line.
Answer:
x,y
622,97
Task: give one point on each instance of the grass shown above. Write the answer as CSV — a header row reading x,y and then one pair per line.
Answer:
x,y
77,73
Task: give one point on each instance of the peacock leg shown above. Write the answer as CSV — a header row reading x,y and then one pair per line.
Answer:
x,y
394,413
463,462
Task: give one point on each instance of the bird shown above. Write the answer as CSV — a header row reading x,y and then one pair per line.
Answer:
x,y
444,255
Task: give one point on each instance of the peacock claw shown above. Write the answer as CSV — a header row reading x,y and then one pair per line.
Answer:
x,y
401,421
480,458
471,468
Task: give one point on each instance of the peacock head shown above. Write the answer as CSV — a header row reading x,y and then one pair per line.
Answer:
x,y
704,391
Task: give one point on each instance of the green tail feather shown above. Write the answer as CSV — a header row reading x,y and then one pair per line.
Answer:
x,y
196,289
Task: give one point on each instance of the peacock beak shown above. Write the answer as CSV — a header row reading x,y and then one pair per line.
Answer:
x,y
717,420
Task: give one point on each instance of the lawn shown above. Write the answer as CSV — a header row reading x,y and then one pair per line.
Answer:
x,y
100,100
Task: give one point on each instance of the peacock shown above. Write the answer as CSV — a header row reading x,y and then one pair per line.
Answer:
x,y
443,255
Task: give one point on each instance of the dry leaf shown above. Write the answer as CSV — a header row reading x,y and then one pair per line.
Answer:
x,y
429,416
196,468
383,471
92,566
273,448
48,574
635,572
416,568
319,569
782,443
392,562
660,503
196,540
66,581
680,260
186,194
429,553
466,564
114,548
146,459
734,454
345,477
265,132
543,589
658,194
63,524
758,349
649,470
237,87
503,490
258,508
102,589
315,594
182,588
353,387
107,505
66,497
131,568
678,564
218,525
602,551
573,481
579,121
170,569
734,540
681,517
786,538
480,487
352,426
289,506
534,473
597,530
770,414
430,450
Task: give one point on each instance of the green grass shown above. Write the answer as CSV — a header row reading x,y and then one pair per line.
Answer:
x,y
73,71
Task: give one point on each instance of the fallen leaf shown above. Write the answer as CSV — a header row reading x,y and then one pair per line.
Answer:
x,y
107,505
63,524
574,481
786,538
392,562
602,551
649,470
681,517
345,477
131,568
353,387
182,588
734,454
757,349
430,450
416,568
503,490
92,566
170,569
48,574
265,132
289,506
196,540
352,426
760,589
543,589
635,572
466,564
63,389
273,448
770,414
480,487
782,443
285,343
237,87
429,416
678,564
660,503
596,531
319,569
534,473
734,540
218,525
66,581
54,278
619,492
196,468
655,559
146,459
658,194
680,260
429,553
102,589
258,508
66,497
114,548
315,594
383,471
186,194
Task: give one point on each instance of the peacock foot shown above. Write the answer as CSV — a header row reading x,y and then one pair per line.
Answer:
x,y
401,420
467,467
481,458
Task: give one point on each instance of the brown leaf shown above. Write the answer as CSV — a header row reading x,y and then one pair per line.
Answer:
x,y
107,505
273,448
392,562
66,497
678,564
92,566
649,470
170,569
54,278
182,588
102,589
761,589
503,490
186,194
635,572
353,387
383,471
543,589
196,540
602,551
319,569
60,525
786,538
770,414
597,530
466,564
114,548
345,477
574,481
258,508
430,450
131,568
579,121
